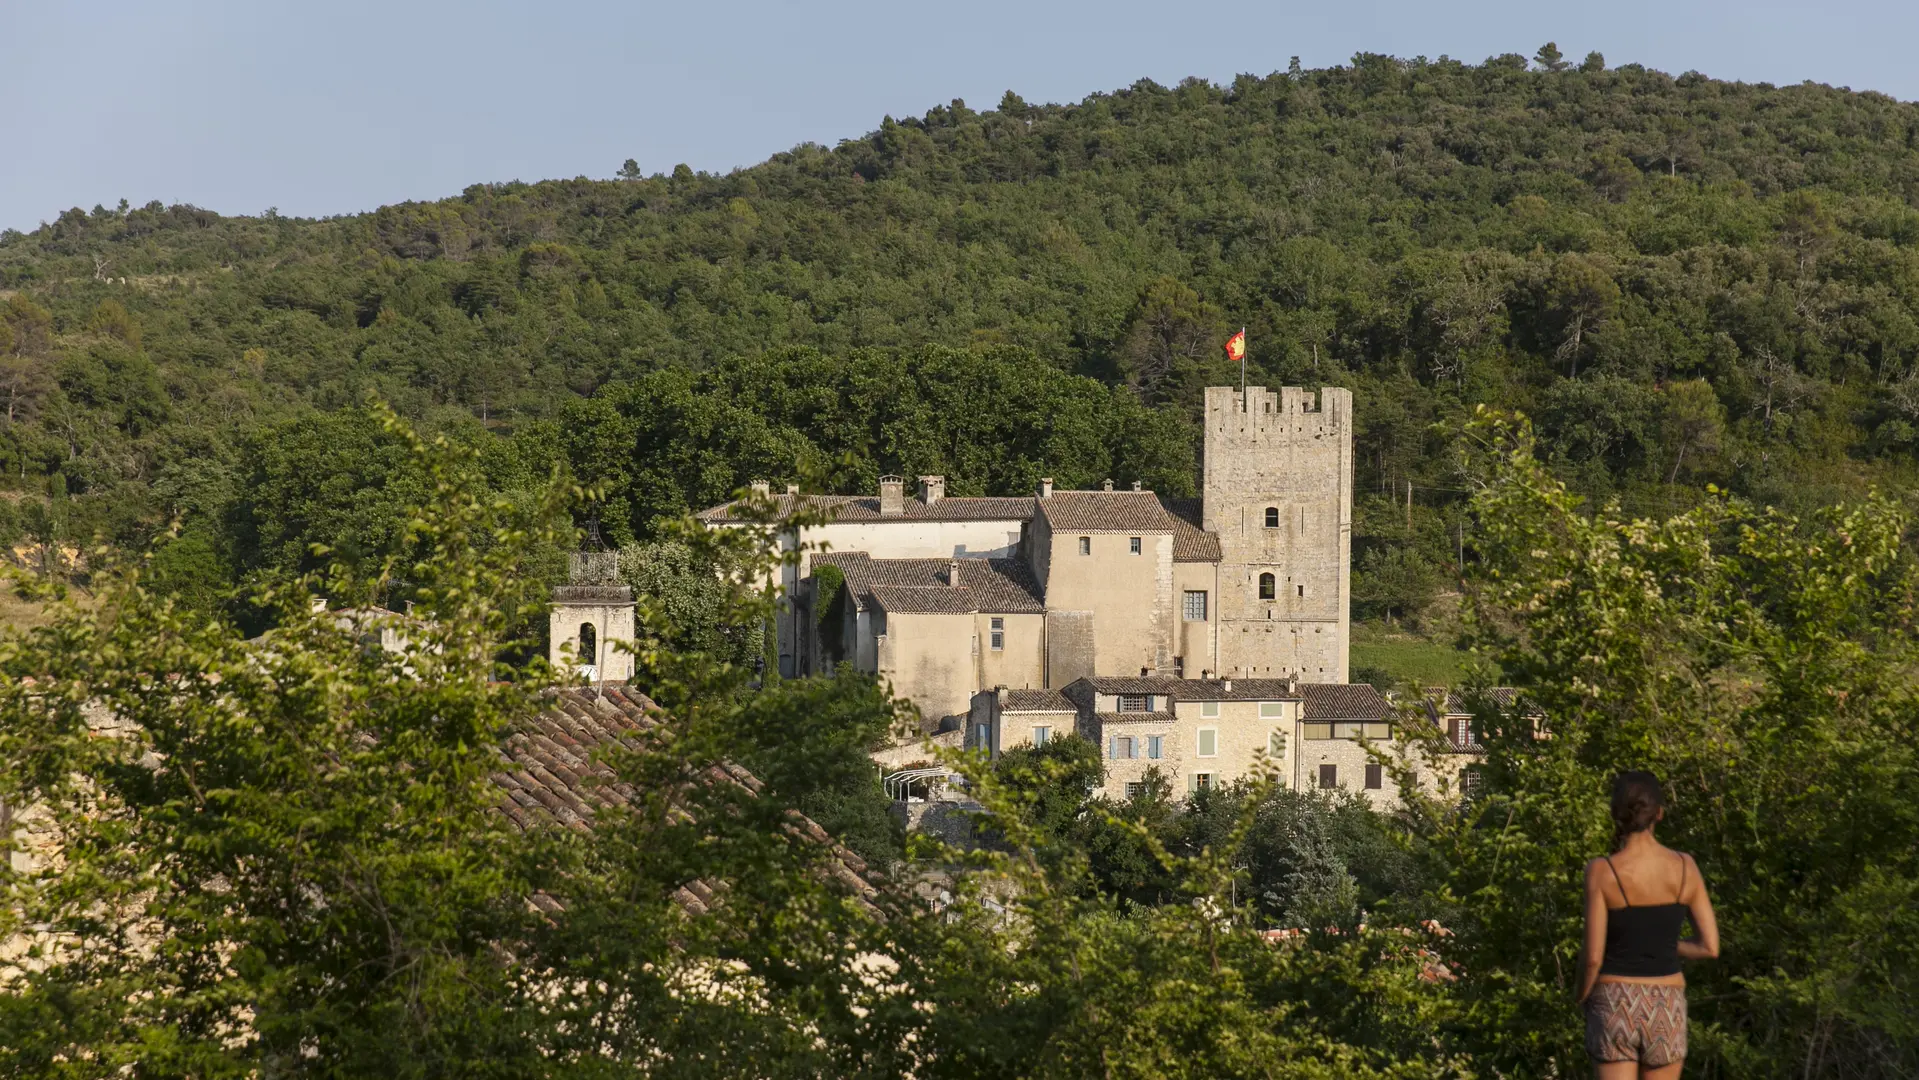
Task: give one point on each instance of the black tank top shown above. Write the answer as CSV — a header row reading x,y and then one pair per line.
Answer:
x,y
1643,941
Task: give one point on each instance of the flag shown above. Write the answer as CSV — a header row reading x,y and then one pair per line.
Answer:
x,y
1236,347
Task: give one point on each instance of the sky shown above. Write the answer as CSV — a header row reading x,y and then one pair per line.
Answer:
x,y
321,109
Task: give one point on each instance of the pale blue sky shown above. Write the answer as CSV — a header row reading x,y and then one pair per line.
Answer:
x,y
334,107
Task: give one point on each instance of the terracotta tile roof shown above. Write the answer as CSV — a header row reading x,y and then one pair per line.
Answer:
x,y
903,586
1132,717
1106,511
1343,701
1191,542
1037,701
867,508
1457,703
548,774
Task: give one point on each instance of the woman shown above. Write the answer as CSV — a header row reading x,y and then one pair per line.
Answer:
x,y
1636,899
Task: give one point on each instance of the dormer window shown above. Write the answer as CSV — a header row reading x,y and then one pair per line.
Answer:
x,y
1135,703
1272,517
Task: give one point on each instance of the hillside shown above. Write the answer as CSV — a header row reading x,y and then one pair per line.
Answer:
x,y
1685,281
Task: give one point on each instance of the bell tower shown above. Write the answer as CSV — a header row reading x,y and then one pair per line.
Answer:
x,y
1279,494
591,612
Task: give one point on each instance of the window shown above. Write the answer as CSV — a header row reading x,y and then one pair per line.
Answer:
x,y
1317,731
1132,545
1375,777
1041,734
1135,789
1154,746
1267,587
1272,517
1329,776
1301,588
1272,710
1209,708
1353,729
1123,748
589,648
1276,744
999,634
1085,545
1208,742
1202,781
1195,605
1135,703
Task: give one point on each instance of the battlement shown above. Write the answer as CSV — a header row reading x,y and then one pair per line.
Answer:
x,y
1289,410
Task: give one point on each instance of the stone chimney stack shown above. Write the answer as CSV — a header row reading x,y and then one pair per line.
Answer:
x,y
792,489
1136,486
952,574
932,489
1106,486
761,487
892,496
1045,487
1229,686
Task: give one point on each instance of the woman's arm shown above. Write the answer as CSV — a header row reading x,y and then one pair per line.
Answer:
x,y
1592,952
1704,943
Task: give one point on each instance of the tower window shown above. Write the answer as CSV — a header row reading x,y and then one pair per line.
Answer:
x,y
1272,517
1267,587
589,646
1301,588
1085,545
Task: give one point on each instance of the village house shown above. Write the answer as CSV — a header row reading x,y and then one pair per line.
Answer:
x,y
1201,733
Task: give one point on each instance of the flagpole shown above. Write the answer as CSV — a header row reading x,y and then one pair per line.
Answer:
x,y
1243,407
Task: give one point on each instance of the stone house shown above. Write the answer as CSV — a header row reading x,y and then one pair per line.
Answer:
x,y
1201,733
946,596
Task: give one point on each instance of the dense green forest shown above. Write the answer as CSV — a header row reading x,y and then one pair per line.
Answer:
x,y
1684,281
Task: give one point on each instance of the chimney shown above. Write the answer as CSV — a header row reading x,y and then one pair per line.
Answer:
x,y
319,604
1045,487
1229,685
999,692
1292,684
952,574
892,496
1136,486
792,489
761,487
1106,486
932,489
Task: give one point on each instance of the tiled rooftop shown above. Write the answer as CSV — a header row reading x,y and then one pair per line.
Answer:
x,y
548,774
867,508
1106,511
1036,701
1320,701
903,586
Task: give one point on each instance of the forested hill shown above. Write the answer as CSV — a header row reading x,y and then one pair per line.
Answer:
x,y
1683,280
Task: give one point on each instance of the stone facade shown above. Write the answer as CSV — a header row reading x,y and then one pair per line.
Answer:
x,y
591,612
1279,495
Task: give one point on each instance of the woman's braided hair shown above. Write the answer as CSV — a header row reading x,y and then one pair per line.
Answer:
x,y
1636,802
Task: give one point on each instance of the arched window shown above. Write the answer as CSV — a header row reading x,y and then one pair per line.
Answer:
x,y
1272,517
589,644
1266,588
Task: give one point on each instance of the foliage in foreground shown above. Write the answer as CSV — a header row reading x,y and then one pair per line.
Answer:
x,y
1766,666
289,865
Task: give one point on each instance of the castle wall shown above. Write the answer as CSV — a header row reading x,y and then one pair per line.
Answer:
x,y
1290,453
1127,597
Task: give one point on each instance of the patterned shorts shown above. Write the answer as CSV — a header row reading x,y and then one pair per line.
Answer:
x,y
1642,1022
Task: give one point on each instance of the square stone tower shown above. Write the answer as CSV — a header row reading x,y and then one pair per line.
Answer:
x,y
1279,494
590,612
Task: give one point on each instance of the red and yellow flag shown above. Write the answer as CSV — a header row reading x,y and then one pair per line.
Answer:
x,y
1236,347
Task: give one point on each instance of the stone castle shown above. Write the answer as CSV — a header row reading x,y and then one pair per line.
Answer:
x,y
945,597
